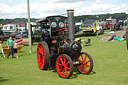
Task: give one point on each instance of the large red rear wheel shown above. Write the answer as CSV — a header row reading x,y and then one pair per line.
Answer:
x,y
64,66
86,63
43,55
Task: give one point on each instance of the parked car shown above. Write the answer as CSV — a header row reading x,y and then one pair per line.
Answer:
x,y
21,34
5,36
91,26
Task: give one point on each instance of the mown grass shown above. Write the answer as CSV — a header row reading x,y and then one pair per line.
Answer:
x,y
110,67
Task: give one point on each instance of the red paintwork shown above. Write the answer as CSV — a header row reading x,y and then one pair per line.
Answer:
x,y
20,24
53,41
62,29
19,41
63,66
40,60
85,66
109,24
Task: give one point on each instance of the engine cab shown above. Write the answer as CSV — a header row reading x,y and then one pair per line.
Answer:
x,y
55,31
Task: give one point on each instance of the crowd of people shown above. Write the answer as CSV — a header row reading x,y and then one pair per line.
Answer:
x,y
12,46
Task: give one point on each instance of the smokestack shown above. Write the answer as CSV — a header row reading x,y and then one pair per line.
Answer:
x,y
71,23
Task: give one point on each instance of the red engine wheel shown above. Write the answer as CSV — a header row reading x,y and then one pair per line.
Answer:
x,y
42,55
64,66
86,65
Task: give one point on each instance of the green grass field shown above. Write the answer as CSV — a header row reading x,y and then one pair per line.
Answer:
x,y
110,67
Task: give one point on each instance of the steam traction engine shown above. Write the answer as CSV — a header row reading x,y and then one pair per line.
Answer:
x,y
59,49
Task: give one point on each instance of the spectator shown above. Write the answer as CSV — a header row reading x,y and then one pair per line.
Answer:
x,y
44,34
10,47
1,49
15,47
127,22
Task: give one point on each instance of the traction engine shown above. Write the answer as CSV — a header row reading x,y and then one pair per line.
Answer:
x,y
59,49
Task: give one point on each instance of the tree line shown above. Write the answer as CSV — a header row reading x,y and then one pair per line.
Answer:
x,y
16,20
118,16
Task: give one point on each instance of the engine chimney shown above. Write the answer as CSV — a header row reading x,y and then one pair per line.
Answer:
x,y
71,23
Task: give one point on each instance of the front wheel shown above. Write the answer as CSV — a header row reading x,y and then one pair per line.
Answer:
x,y
86,63
64,66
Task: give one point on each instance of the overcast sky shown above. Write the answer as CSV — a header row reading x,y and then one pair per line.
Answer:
x,y
43,8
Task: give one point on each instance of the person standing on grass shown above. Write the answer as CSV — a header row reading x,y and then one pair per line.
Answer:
x,y
127,22
15,47
10,47
1,49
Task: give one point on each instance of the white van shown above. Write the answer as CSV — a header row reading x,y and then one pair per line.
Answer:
x,y
10,28
78,24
